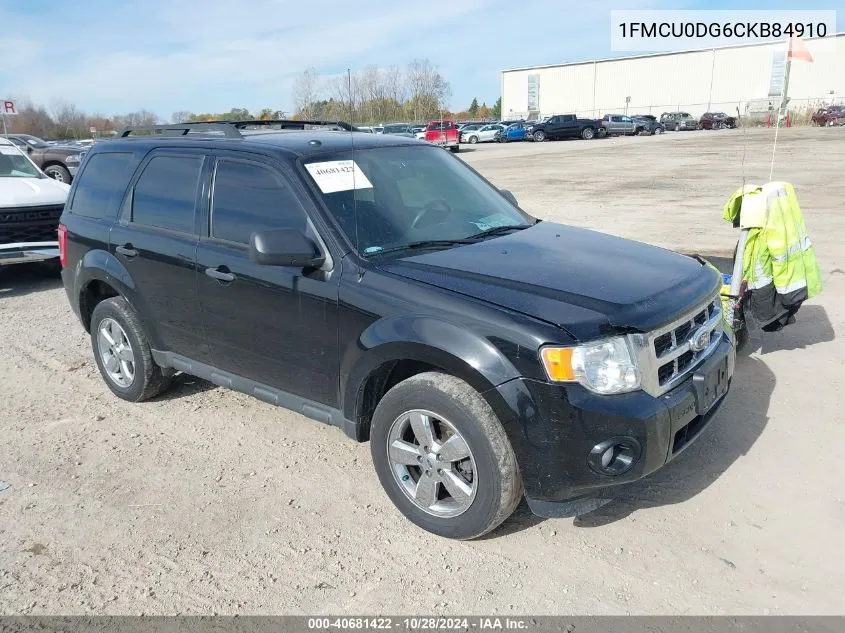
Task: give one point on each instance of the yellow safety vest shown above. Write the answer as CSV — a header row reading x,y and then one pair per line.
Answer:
x,y
779,255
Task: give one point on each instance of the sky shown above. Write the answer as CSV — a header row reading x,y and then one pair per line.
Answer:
x,y
117,56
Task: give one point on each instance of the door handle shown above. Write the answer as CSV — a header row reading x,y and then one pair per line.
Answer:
x,y
126,250
221,273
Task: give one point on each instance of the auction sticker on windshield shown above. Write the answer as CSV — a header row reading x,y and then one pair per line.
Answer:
x,y
338,175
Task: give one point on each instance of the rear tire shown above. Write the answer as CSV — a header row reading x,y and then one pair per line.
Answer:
x,y
490,485
135,376
588,133
454,149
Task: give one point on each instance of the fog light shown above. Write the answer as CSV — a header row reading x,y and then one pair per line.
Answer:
x,y
614,456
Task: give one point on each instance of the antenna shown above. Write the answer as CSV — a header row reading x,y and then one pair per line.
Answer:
x,y
352,142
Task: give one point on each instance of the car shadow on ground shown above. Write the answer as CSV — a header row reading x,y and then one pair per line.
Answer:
x,y
728,438
811,326
184,386
23,279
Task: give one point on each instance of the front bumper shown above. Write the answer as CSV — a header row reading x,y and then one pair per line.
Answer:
x,y
555,428
24,252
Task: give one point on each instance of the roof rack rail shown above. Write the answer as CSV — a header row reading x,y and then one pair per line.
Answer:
x,y
228,129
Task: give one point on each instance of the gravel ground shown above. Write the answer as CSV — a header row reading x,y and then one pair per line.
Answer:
x,y
208,501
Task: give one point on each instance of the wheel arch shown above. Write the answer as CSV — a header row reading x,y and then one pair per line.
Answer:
x,y
100,276
390,355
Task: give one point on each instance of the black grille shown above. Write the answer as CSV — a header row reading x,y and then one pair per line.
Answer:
x,y
666,372
682,332
663,343
685,360
29,224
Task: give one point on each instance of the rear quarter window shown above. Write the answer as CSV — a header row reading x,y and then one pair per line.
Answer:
x,y
101,185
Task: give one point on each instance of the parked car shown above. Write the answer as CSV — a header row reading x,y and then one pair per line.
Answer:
x,y
648,124
832,115
403,298
398,129
364,128
60,162
30,206
562,126
619,124
716,121
513,132
678,121
443,134
378,129
484,134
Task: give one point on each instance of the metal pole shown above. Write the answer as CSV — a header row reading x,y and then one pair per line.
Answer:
x,y
5,133
712,70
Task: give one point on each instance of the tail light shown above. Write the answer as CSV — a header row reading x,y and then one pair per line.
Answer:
x,y
63,245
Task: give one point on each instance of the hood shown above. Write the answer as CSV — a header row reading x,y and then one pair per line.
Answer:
x,y
66,149
31,192
588,283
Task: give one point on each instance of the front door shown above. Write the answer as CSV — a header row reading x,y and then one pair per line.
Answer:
x,y
275,325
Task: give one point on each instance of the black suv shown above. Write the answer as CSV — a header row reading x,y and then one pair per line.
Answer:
x,y
378,284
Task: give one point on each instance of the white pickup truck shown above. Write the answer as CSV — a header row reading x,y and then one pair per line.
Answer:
x,y
30,205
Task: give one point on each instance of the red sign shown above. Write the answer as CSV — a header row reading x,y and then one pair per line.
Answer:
x,y
7,107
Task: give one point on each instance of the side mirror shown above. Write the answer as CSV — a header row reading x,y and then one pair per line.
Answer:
x,y
29,149
509,196
284,247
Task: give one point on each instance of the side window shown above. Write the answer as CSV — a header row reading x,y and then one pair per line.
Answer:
x,y
165,194
18,142
101,184
249,197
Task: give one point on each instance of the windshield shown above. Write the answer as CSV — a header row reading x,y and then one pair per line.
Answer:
x,y
34,141
407,194
13,164
395,129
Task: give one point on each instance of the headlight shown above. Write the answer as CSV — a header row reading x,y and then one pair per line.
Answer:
x,y
605,366
73,158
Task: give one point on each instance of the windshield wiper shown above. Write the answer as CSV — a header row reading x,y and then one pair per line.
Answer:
x,y
421,244
498,230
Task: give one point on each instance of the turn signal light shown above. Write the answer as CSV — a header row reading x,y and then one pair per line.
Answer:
x,y
558,363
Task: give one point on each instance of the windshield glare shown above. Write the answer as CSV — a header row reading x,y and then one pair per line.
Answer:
x,y
408,194
13,164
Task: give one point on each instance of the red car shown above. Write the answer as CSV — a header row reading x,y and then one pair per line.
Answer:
x,y
716,121
833,115
443,133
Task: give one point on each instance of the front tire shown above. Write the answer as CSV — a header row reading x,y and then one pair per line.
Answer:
x,y
539,136
58,172
473,140
123,354
443,458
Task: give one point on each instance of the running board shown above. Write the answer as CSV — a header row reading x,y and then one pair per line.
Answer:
x,y
266,393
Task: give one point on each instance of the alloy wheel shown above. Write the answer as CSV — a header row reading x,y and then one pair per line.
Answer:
x,y
116,354
432,463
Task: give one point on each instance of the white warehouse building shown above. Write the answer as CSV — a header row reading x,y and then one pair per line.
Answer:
x,y
708,80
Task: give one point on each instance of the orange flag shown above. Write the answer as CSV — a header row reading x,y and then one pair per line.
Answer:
x,y
798,50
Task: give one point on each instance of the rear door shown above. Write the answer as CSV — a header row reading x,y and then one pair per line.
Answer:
x,y
276,325
156,242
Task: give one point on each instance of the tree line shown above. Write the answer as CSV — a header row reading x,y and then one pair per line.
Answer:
x,y
382,95
416,93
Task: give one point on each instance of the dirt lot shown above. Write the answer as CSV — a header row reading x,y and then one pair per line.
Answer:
x,y
208,501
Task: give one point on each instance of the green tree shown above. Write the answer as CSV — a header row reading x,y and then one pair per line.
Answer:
x,y
473,107
497,108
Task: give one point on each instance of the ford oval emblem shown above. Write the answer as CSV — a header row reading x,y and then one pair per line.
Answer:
x,y
699,340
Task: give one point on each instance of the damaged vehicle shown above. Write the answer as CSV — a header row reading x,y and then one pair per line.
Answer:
x,y
486,355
